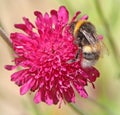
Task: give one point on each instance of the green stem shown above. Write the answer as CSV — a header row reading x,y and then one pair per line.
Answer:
x,y
5,37
34,107
7,40
103,107
76,109
108,32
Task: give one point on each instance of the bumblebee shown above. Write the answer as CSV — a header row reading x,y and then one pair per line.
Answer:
x,y
88,42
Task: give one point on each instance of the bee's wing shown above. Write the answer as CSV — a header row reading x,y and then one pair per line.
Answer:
x,y
96,43
91,38
104,49
102,46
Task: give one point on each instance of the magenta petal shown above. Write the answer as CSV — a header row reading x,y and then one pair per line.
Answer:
x,y
69,95
63,14
37,97
83,93
39,21
80,89
76,15
54,96
17,75
85,17
38,14
21,26
47,20
27,27
10,67
19,37
28,24
54,16
92,73
49,101
27,86
46,17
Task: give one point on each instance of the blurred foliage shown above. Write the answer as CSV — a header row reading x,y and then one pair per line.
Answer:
x,y
105,99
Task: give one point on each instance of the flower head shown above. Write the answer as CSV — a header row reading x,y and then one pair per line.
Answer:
x,y
43,51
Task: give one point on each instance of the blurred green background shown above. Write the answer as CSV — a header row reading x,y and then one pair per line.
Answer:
x,y
105,98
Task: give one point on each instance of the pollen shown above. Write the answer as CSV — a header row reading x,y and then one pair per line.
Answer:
x,y
87,49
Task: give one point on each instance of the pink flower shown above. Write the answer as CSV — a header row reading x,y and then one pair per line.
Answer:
x,y
43,51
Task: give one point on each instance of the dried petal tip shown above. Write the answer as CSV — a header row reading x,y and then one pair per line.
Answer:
x,y
43,50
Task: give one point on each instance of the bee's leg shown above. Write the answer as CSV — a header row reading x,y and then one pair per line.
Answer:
x,y
76,57
78,54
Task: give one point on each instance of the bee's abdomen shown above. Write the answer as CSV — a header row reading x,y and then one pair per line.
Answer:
x,y
91,55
